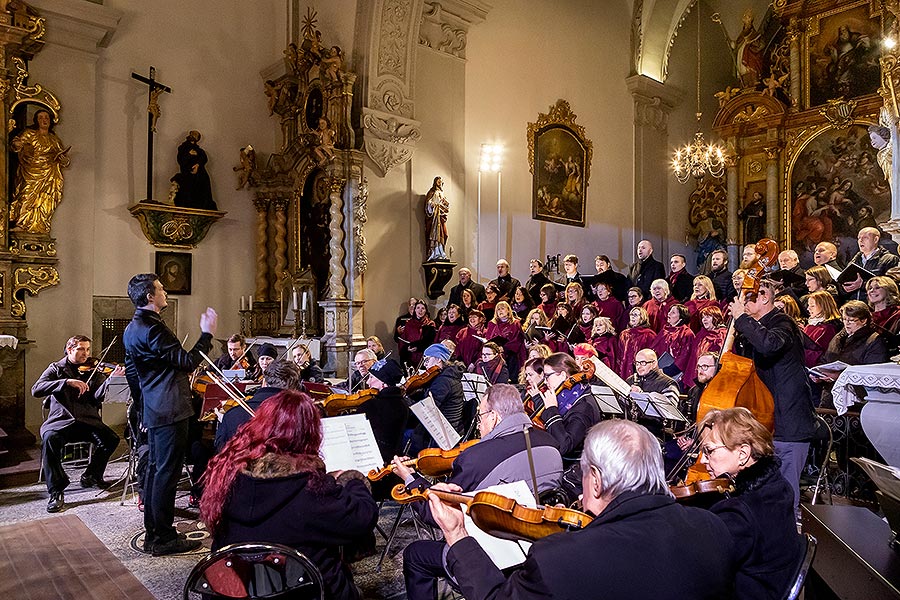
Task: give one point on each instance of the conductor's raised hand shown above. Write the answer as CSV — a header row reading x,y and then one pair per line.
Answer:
x,y
209,321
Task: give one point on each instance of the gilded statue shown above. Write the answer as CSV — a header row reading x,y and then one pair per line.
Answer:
x,y
39,178
437,208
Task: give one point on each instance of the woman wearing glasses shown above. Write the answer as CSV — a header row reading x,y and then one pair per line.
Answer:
x,y
491,364
569,406
760,512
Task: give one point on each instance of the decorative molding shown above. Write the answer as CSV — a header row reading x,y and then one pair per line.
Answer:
x,y
32,279
839,112
360,217
389,139
32,93
444,29
80,25
750,112
653,101
167,226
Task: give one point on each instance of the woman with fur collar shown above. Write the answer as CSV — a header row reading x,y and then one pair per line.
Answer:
x,y
268,484
760,512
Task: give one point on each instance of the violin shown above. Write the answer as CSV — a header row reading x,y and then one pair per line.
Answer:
x,y
421,379
93,363
586,374
223,408
534,405
335,404
705,491
504,517
432,462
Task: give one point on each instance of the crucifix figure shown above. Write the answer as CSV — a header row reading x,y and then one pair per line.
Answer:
x,y
155,89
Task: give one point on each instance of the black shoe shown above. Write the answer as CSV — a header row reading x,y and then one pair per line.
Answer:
x,y
176,546
56,502
88,481
148,543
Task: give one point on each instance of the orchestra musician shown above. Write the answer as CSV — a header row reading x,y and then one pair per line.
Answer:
x,y
158,369
237,356
269,485
500,457
309,368
387,411
569,408
446,389
773,340
363,361
278,375
73,397
759,513
641,543
267,355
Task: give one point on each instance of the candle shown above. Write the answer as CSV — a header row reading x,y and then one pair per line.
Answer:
x,y
251,302
304,300
295,300
243,306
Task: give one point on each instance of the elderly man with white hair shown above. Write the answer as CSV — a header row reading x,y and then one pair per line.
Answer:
x,y
505,282
641,543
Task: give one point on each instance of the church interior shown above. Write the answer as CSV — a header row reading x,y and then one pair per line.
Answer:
x,y
305,168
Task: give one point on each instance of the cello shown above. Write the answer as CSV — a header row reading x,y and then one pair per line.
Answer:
x,y
736,382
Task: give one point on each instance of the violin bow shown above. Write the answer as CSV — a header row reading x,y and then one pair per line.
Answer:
x,y
243,354
100,359
229,387
231,393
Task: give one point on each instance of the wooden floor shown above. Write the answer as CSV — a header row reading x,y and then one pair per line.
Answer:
x,y
61,558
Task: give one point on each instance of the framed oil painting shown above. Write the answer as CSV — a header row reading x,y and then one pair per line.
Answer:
x,y
174,271
559,155
837,188
842,51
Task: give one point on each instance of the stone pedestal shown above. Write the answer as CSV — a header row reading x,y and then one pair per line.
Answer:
x,y
343,326
437,274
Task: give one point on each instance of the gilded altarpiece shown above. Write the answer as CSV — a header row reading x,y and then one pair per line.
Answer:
x,y
798,138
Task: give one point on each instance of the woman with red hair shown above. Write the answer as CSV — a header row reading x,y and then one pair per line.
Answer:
x,y
269,485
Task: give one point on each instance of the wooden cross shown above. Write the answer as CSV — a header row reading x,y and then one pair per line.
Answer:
x,y
155,89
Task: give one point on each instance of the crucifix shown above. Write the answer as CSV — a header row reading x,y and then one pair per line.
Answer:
x,y
155,89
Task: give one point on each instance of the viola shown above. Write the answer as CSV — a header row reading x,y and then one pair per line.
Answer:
x,y
432,462
93,363
335,404
223,408
421,379
586,374
702,491
534,405
504,517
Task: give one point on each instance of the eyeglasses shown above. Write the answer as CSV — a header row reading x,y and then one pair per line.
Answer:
x,y
644,363
549,373
362,363
488,355
487,412
851,320
705,367
708,450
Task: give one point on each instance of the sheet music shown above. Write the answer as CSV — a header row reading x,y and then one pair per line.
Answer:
x,y
504,553
435,423
234,374
829,370
474,386
835,273
607,376
654,404
885,477
606,399
349,443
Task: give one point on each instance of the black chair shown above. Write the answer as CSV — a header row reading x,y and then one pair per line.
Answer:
x,y
799,579
255,571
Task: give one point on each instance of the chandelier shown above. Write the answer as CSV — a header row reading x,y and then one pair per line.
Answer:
x,y
697,158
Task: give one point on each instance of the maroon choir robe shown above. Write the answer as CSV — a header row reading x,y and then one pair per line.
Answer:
x,y
694,307
468,346
819,335
658,311
613,310
632,341
705,341
677,342
607,346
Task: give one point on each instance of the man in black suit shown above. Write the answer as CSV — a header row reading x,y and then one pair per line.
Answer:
x,y
466,283
681,283
536,280
647,269
637,524
720,275
505,282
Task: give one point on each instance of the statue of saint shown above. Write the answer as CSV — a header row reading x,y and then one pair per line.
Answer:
x,y
437,207
754,217
191,187
884,139
39,179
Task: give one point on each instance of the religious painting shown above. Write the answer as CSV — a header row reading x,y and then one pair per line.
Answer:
x,y
560,161
174,271
706,228
837,188
842,51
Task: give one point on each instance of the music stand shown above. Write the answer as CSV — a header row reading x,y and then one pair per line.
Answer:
x,y
656,406
607,400
474,386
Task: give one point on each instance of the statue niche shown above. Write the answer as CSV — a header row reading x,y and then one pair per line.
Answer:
x,y
314,227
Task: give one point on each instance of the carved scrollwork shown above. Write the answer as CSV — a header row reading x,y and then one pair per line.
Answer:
x,y
167,226
360,217
32,93
839,112
438,31
390,139
35,278
750,113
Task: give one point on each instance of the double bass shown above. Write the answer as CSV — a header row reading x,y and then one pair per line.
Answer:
x,y
736,382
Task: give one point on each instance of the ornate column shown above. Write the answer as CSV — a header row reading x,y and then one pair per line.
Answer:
x,y
793,32
279,207
262,230
773,210
732,224
653,102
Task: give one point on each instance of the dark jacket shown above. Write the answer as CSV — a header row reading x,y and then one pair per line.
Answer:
x,y
387,413
66,406
776,346
447,391
237,416
534,283
879,263
472,286
722,283
312,372
157,368
570,429
644,272
865,347
641,546
225,362
293,502
760,517
507,286
681,285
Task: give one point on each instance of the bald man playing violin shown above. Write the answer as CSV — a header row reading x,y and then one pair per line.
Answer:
x,y
500,457
73,396
641,543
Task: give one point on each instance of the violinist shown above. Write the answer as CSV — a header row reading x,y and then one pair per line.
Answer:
x,y
760,512
500,457
279,375
446,389
73,397
387,412
641,543
267,355
359,375
237,356
309,368
569,406
773,340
